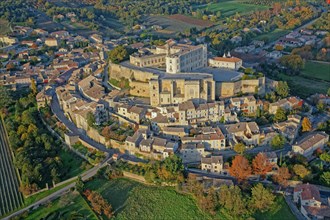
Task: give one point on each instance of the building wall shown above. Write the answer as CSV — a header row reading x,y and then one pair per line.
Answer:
x,y
117,71
188,61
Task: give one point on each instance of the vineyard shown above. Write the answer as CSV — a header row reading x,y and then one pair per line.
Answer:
x,y
10,197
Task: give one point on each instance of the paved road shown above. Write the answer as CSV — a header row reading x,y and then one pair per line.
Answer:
x,y
86,175
56,109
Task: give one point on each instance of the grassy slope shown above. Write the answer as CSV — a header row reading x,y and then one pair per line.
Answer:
x,y
66,205
317,70
132,200
228,8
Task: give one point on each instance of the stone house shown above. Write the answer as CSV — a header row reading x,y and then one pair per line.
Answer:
x,y
310,142
213,164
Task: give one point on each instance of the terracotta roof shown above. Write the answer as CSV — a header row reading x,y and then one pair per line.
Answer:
x,y
308,192
311,139
227,59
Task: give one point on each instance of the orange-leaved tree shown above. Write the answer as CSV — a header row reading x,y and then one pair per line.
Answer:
x,y
240,168
261,165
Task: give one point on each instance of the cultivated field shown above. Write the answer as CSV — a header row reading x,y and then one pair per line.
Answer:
x,y
69,206
10,197
317,70
175,23
231,7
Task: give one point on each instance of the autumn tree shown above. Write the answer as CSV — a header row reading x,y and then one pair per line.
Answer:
x,y
261,165
282,176
293,62
262,198
239,148
34,89
240,168
306,125
300,170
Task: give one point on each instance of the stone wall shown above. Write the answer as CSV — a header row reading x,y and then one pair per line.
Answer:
x,y
140,89
117,71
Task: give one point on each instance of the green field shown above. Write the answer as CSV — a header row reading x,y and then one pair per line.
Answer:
x,y
69,206
303,86
272,36
317,70
231,7
132,200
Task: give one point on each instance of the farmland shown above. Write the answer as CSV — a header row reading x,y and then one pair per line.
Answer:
x,y
231,7
175,23
304,87
10,197
317,70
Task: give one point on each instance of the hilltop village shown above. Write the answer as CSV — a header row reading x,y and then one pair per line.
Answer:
x,y
137,106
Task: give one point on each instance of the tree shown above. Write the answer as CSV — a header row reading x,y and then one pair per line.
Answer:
x,y
261,165
262,198
328,93
278,142
240,168
80,186
325,157
280,115
239,148
118,54
306,125
90,119
300,170
325,178
231,199
282,176
293,62
282,89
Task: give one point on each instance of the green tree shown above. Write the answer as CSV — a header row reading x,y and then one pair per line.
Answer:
x,y
232,200
280,115
325,178
118,54
262,198
278,142
325,157
80,186
282,89
239,148
90,119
